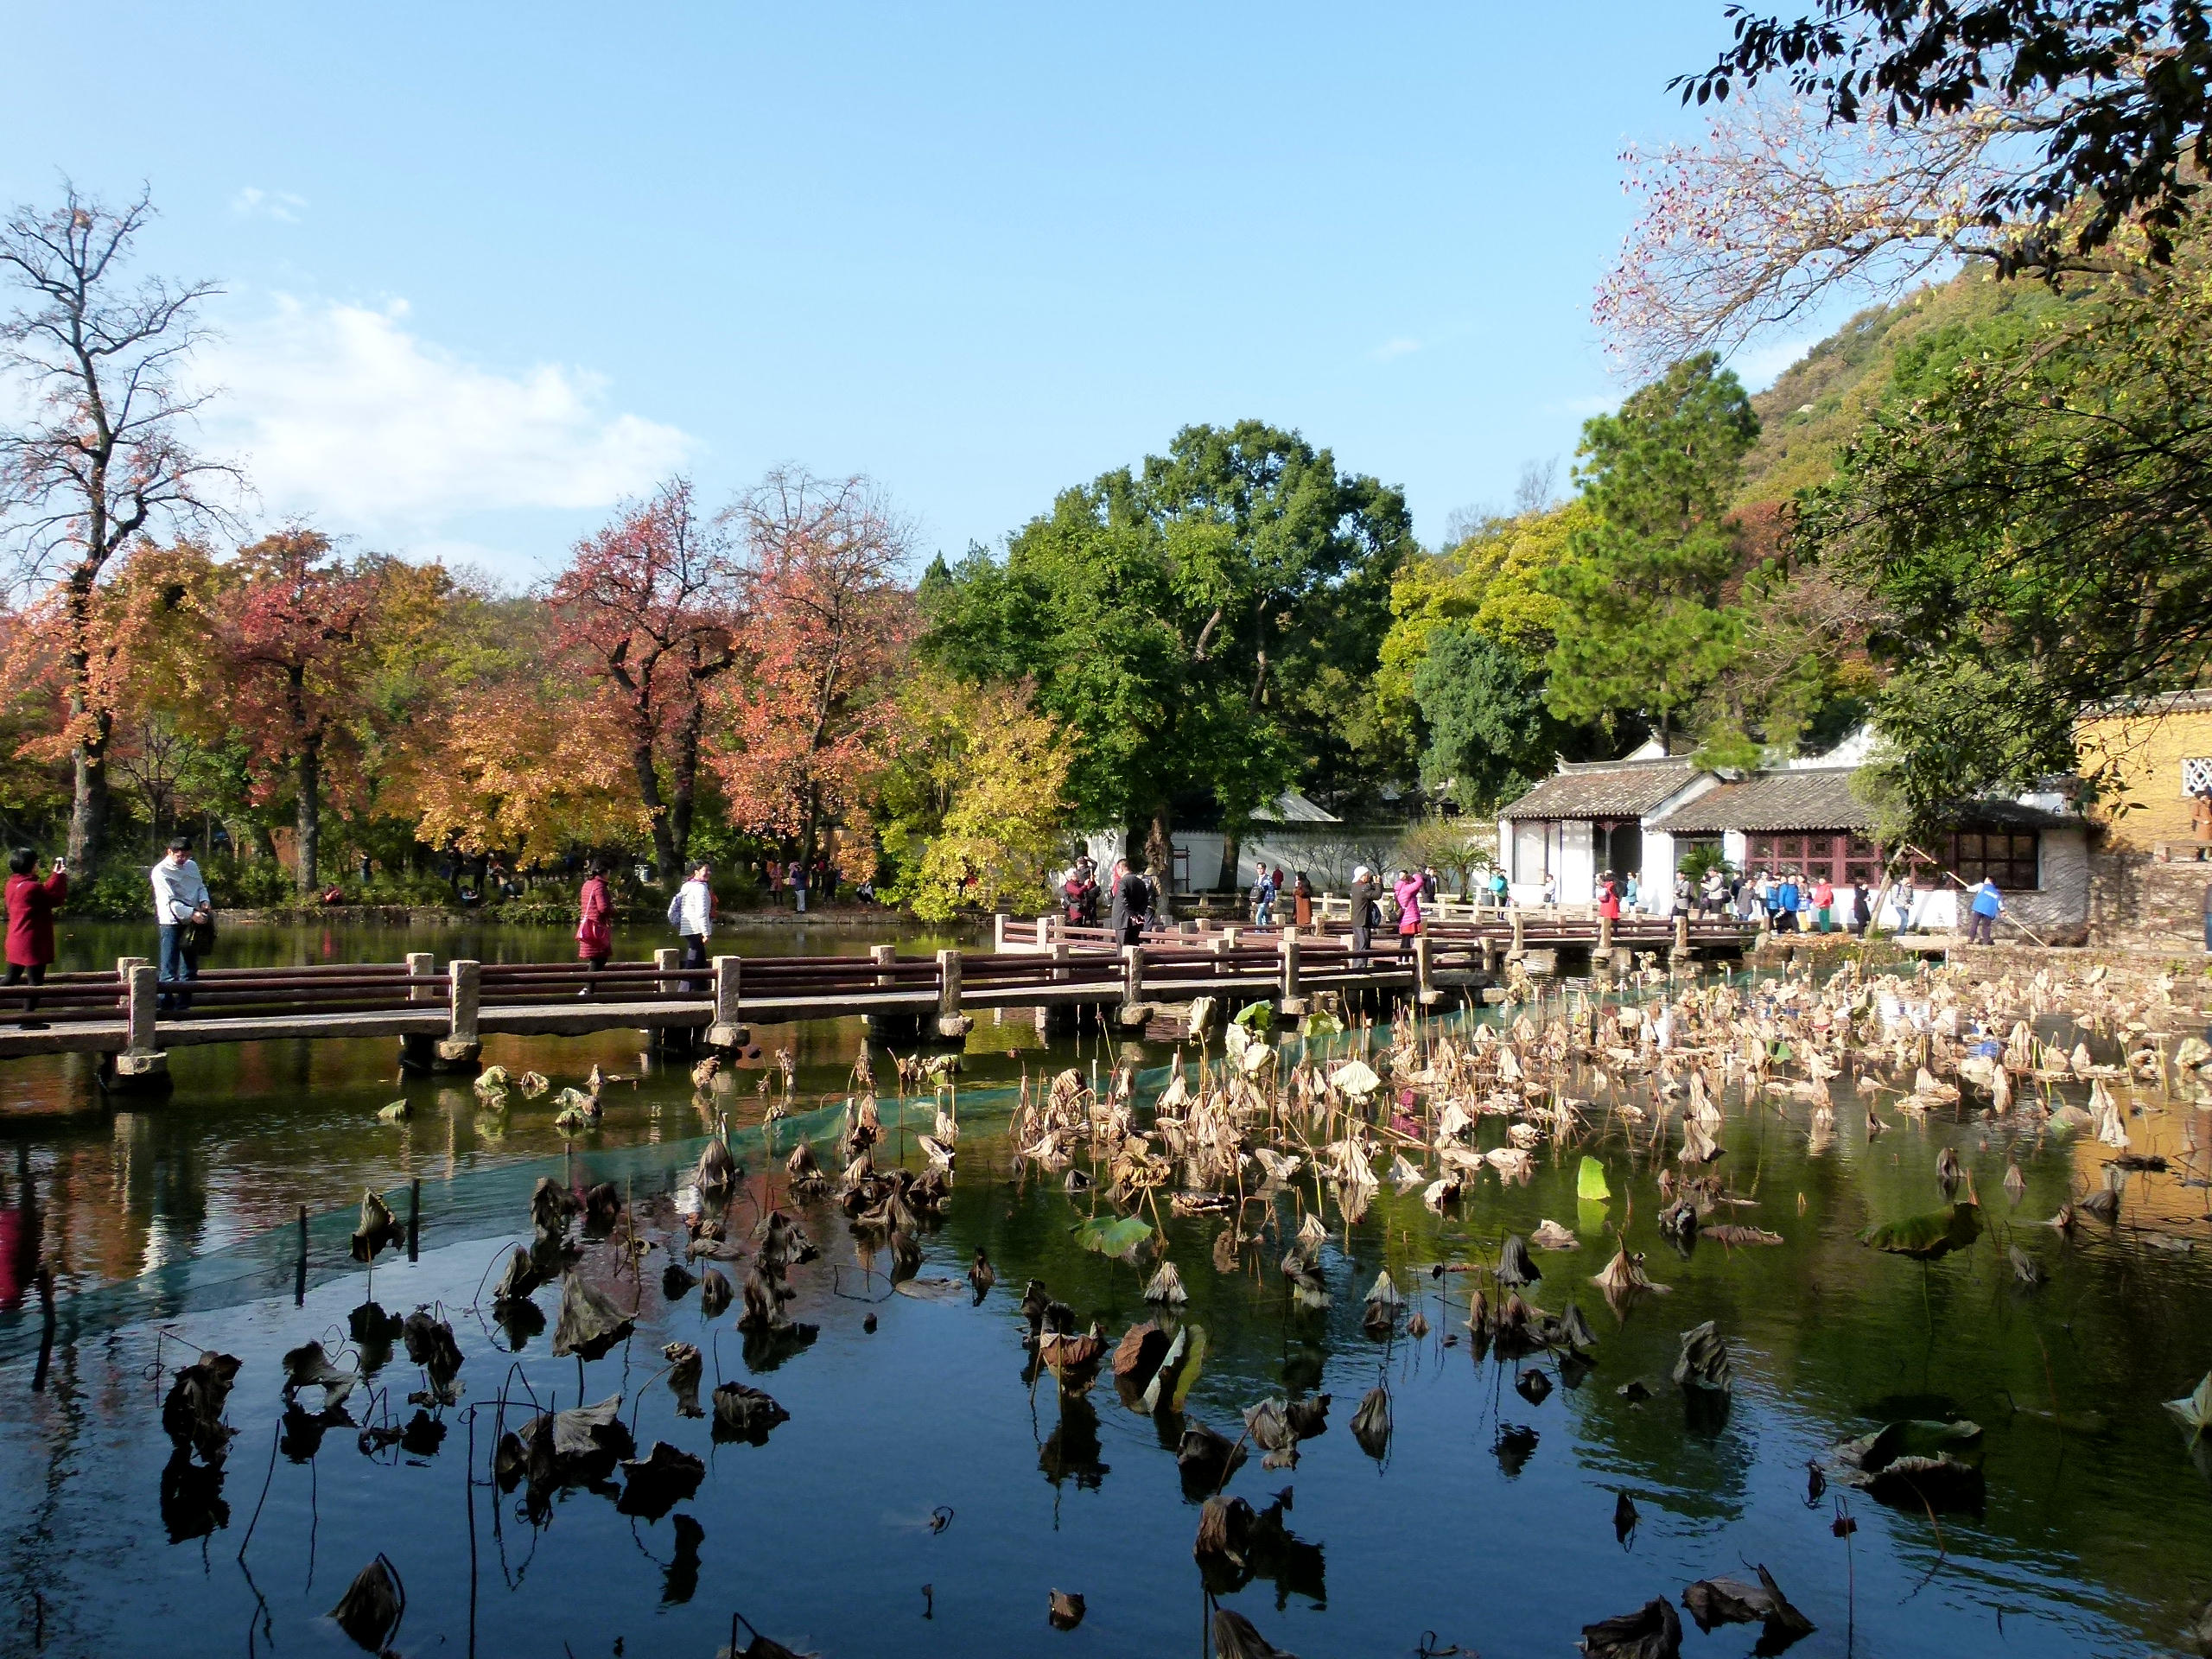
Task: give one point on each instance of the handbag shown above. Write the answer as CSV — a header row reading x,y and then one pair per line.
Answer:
x,y
199,936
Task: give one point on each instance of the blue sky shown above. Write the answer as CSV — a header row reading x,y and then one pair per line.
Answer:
x,y
491,267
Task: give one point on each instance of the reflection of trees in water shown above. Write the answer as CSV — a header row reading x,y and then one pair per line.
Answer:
x,y
1072,1451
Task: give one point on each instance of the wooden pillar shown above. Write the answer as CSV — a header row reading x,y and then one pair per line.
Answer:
x,y
1424,976
950,1022
1133,1011
998,919
1290,947
142,1068
669,1040
418,1050
464,995
1604,936
1059,959
460,1049
1520,945
726,1031
1682,931
1043,931
883,1025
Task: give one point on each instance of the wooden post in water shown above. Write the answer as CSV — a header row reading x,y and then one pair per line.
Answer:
x,y
1605,937
1682,934
1133,1008
1290,998
418,1050
1424,978
950,1022
884,1027
461,1048
142,1068
1520,945
726,1031
669,1040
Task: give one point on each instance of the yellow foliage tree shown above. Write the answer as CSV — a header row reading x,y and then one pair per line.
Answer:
x,y
998,769
525,764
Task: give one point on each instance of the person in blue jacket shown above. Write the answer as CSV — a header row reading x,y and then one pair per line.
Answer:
x,y
1981,920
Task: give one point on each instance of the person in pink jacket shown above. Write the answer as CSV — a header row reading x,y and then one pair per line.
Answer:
x,y
595,934
1406,890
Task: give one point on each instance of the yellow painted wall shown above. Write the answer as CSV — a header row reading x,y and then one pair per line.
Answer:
x,y
2144,753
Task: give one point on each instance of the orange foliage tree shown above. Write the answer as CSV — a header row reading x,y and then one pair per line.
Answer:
x,y
647,607
527,761
829,627
295,634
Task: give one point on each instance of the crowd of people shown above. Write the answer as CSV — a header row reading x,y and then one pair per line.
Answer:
x,y
1780,901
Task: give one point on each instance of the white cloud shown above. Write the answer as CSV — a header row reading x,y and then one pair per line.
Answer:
x,y
1600,403
253,201
339,413
1402,345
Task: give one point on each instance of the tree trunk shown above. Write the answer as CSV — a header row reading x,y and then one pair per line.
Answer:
x,y
307,825
666,853
1159,864
88,808
88,812
684,783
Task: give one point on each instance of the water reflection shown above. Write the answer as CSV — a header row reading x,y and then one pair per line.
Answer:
x,y
2092,1519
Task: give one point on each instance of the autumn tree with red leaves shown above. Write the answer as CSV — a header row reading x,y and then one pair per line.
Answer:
x,y
647,605
829,626
294,634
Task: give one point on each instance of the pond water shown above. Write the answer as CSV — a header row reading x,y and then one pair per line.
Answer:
x,y
930,1490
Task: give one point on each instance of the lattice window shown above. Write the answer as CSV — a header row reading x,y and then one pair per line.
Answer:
x,y
2195,775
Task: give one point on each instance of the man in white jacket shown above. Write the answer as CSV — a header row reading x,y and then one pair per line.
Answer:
x,y
691,913
180,901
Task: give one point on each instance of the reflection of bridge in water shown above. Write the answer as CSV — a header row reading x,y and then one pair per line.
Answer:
x,y
441,1016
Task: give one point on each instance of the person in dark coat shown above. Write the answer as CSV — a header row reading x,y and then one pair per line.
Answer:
x,y
1362,913
1132,904
31,905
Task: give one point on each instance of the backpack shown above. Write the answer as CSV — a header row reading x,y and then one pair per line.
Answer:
x,y
676,911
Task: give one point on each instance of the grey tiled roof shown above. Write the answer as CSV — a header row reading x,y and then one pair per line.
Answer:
x,y
1774,800
1603,789
1822,799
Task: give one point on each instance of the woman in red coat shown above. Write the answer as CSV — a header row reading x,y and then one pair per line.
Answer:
x,y
31,905
595,934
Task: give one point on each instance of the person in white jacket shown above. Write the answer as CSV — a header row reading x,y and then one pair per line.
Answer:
x,y
180,901
691,913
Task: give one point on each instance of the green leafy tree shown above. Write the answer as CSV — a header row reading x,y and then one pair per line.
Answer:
x,y
2032,515
1645,624
1197,626
1490,735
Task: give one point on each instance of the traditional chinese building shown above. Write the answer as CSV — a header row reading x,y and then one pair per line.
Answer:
x,y
1648,814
